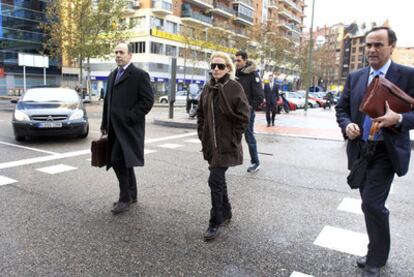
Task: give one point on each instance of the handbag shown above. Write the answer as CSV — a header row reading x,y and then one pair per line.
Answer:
x,y
98,150
381,90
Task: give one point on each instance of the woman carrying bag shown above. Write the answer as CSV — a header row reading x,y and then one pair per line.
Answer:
x,y
222,117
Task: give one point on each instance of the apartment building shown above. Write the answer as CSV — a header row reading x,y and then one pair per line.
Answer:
x,y
404,55
162,29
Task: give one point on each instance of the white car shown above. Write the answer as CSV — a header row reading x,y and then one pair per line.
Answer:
x,y
180,97
295,99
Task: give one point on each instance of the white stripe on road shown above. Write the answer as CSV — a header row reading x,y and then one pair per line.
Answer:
x,y
44,159
343,240
193,141
170,145
28,148
76,153
299,274
351,205
6,181
56,169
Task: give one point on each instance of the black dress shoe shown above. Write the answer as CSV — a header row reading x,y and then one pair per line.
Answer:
x,y
361,261
211,233
268,124
371,271
133,201
120,207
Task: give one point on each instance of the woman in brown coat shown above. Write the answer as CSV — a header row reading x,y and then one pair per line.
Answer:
x,y
223,115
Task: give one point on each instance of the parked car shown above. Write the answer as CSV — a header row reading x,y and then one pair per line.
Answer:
x,y
180,97
48,111
295,99
312,102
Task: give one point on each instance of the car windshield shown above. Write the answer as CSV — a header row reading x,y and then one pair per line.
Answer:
x,y
51,95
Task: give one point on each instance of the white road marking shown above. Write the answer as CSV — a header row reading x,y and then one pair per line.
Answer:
x,y
351,205
76,153
44,159
149,151
170,145
56,169
6,181
193,141
343,240
299,274
28,148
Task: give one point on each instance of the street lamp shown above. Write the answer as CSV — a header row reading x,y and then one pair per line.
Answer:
x,y
310,57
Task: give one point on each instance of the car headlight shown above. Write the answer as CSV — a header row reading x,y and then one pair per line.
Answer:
x,y
78,114
21,116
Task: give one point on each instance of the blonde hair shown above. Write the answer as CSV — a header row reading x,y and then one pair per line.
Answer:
x,y
228,61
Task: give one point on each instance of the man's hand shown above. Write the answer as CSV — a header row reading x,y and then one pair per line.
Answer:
x,y
352,131
390,118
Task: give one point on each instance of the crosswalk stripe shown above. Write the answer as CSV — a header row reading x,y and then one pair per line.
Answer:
x,y
342,240
350,205
55,169
170,145
6,181
193,141
299,274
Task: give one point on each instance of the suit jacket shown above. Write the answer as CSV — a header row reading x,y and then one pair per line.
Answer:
x,y
271,94
126,103
347,111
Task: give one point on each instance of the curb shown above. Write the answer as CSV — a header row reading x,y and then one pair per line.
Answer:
x,y
192,124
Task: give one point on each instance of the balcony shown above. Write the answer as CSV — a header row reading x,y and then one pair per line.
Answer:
x,y
243,19
297,19
223,10
285,13
204,4
161,7
192,17
272,4
292,4
241,33
248,3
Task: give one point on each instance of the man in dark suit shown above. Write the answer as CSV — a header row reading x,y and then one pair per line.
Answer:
x,y
392,153
128,99
271,93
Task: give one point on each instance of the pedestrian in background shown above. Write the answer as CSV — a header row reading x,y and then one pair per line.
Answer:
x,y
222,117
392,152
249,78
129,97
271,93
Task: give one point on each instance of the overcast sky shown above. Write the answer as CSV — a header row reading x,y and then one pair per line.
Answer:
x,y
400,14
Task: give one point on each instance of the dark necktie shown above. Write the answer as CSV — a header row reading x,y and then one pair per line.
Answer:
x,y
367,120
119,74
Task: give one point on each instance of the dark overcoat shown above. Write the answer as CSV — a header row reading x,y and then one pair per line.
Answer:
x,y
396,141
126,103
271,94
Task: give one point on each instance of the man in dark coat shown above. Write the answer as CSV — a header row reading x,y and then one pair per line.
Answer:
x,y
392,153
271,92
128,99
248,77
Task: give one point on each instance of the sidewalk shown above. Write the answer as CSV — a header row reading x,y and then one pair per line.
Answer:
x,y
315,123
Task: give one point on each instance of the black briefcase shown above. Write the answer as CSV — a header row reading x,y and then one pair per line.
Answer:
x,y
98,150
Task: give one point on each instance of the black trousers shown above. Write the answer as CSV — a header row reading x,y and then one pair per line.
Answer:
x,y
374,193
127,181
273,110
221,208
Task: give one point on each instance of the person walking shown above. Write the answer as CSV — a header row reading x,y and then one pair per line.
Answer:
x,y
271,93
128,99
222,117
392,152
249,78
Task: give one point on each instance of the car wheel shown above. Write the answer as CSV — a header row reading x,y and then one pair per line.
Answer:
x,y
164,101
19,138
310,105
84,135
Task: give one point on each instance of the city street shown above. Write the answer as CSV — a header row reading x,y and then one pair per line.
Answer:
x,y
295,217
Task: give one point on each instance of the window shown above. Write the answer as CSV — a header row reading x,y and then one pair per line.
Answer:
x,y
361,49
170,50
360,58
353,49
171,27
353,59
138,47
156,48
157,23
137,23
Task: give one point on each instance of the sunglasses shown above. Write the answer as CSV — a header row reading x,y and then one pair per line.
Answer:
x,y
221,66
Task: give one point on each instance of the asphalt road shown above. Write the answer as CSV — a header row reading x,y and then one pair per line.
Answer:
x,y
296,215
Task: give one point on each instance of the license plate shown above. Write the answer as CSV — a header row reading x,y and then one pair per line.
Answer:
x,y
50,125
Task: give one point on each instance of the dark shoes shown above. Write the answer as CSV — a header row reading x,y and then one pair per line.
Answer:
x,y
253,168
211,233
361,262
268,124
120,207
133,201
273,123
371,271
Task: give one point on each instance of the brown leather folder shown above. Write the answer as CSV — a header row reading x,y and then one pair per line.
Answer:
x,y
98,149
381,90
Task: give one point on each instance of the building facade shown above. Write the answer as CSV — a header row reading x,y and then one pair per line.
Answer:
x,y
404,55
20,33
